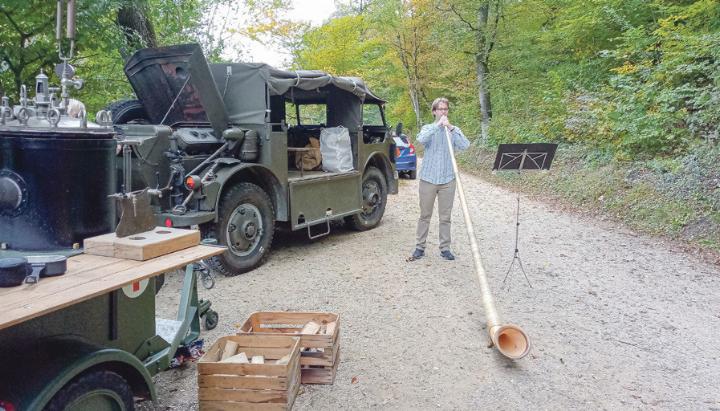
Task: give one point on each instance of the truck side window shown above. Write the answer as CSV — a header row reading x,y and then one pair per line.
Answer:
x,y
374,130
313,114
371,115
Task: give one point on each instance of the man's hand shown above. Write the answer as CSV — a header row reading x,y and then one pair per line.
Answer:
x,y
443,122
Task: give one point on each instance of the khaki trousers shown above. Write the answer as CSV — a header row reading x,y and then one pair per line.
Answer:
x,y
445,194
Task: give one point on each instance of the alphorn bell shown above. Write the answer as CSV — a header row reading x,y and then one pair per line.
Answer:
x,y
509,339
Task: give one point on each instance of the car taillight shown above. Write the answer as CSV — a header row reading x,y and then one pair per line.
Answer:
x,y
168,223
6,406
412,149
397,152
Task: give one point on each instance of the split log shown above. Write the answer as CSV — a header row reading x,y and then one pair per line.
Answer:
x,y
229,350
237,359
284,360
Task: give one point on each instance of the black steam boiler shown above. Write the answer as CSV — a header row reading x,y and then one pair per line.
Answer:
x,y
56,173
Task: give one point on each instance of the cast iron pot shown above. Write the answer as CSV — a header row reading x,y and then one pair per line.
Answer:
x,y
13,271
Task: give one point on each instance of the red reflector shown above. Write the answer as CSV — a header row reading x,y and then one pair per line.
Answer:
x,y
6,406
190,183
412,149
168,223
397,152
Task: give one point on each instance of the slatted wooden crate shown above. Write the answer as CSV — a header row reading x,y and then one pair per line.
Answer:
x,y
235,386
319,366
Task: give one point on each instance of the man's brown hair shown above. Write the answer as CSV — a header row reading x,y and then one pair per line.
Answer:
x,y
437,102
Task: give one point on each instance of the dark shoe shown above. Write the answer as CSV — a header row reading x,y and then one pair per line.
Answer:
x,y
418,254
446,254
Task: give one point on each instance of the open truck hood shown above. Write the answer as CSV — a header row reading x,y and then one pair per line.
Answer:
x,y
175,85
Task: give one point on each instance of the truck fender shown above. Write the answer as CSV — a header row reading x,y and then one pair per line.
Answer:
x,y
64,358
259,175
380,160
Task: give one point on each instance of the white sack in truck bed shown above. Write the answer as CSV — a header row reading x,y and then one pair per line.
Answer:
x,y
336,149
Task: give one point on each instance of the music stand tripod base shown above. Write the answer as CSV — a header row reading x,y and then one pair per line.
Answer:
x,y
519,157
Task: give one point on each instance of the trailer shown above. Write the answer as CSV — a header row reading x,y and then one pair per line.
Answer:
x,y
89,339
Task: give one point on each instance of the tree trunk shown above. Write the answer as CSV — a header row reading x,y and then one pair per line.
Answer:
x,y
133,20
412,77
482,71
484,97
415,100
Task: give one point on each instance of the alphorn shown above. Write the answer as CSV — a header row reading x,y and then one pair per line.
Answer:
x,y
509,339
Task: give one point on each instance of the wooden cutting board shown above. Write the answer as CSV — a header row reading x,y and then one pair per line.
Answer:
x,y
142,246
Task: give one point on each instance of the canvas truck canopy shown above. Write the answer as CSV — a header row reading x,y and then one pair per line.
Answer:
x,y
247,89
175,84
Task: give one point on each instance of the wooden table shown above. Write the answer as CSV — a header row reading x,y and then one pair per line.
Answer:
x,y
88,276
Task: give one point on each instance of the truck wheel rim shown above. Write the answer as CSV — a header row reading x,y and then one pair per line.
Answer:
x,y
244,230
99,400
371,197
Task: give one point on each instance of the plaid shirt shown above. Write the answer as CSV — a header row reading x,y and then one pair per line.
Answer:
x,y
437,165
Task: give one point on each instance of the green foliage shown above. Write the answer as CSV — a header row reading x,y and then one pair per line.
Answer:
x,y
638,78
678,198
27,42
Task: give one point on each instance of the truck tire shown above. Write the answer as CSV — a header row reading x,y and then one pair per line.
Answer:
x,y
246,226
374,198
96,390
127,112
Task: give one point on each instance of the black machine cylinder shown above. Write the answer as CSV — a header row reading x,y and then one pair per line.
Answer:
x,y
54,187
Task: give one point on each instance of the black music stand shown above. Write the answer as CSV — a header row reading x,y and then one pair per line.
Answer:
x,y
519,157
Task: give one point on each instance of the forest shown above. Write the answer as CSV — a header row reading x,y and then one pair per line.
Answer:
x,y
630,89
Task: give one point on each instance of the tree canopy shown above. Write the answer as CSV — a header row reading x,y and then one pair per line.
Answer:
x,y
639,78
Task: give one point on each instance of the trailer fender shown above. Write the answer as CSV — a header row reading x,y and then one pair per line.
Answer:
x,y
258,175
39,373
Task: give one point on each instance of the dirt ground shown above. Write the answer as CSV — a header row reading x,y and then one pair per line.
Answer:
x,y
616,320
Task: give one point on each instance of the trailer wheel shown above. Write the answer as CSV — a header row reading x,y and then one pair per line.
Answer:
x,y
246,226
412,175
128,112
97,390
374,197
211,319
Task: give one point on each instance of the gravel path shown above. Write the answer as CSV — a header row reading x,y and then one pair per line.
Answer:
x,y
617,320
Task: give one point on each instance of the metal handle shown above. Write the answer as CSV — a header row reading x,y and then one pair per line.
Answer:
x,y
34,277
53,117
58,20
312,237
69,28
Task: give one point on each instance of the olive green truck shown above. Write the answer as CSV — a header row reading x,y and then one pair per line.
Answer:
x,y
216,145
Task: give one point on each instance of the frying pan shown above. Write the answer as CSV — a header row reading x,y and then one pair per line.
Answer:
x,y
13,271
45,266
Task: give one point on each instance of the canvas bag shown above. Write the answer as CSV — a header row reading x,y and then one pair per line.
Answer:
x,y
336,149
309,160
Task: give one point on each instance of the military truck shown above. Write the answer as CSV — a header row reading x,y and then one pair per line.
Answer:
x,y
216,143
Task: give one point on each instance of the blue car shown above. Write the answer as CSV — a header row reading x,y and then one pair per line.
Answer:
x,y
405,157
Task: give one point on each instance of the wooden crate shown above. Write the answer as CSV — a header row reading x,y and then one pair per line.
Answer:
x,y
319,374
318,367
234,386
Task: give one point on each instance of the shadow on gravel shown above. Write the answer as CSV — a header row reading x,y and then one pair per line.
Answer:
x,y
286,238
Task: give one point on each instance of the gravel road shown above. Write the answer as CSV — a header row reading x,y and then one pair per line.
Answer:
x,y
617,320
